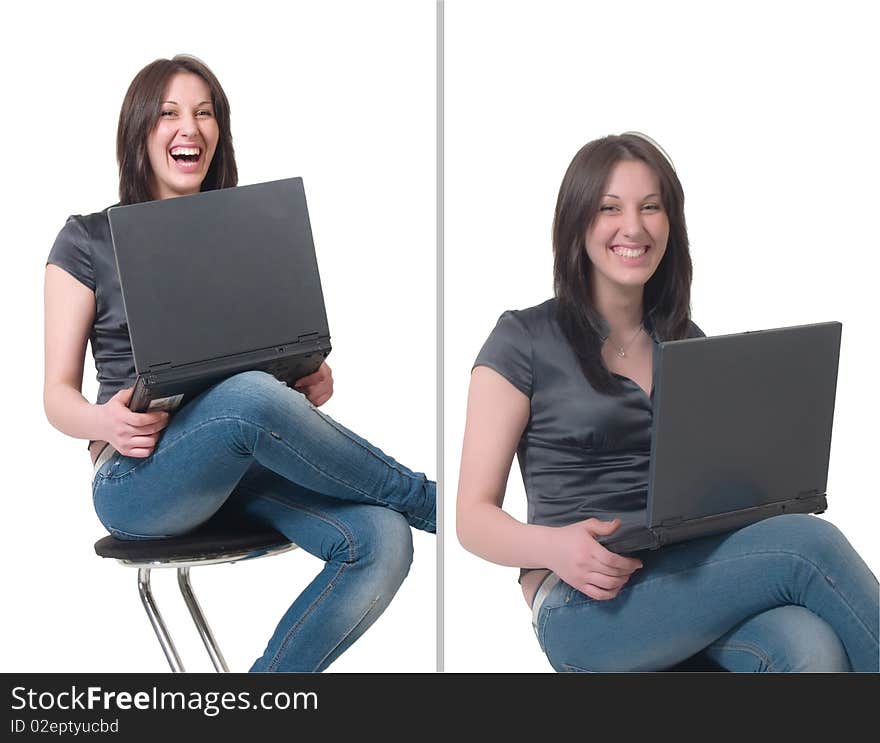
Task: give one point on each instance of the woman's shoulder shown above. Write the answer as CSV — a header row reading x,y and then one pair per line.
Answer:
x,y
93,226
533,320
83,239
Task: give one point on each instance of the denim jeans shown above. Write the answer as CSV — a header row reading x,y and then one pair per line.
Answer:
x,y
251,448
785,594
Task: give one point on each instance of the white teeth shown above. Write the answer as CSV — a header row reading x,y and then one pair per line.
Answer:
x,y
185,151
628,252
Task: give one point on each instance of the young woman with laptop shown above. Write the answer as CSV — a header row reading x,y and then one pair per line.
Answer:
x,y
567,385
250,446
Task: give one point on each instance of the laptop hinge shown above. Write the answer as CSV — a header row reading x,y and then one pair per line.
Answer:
x,y
805,494
160,367
307,337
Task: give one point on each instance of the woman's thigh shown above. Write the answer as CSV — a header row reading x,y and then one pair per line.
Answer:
x,y
212,442
198,461
689,595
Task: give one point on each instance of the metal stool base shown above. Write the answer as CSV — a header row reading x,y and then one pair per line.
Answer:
x,y
195,610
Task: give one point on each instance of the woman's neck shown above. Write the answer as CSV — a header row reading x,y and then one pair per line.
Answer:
x,y
622,308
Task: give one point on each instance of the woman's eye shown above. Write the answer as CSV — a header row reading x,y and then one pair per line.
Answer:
x,y
167,113
607,208
652,207
204,114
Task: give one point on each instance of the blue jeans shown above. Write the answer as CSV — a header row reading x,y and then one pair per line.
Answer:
x,y
785,594
251,448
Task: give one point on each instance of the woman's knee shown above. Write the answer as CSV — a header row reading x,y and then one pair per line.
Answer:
x,y
377,541
810,536
789,639
258,398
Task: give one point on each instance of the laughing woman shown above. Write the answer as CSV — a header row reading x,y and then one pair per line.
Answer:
x,y
156,475
567,386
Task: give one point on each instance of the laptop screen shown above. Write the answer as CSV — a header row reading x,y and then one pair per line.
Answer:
x,y
218,273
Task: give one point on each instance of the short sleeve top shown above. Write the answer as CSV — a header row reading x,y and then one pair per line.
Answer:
x,y
583,454
84,249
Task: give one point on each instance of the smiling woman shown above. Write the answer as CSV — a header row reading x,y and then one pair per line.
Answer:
x,y
171,104
326,489
567,386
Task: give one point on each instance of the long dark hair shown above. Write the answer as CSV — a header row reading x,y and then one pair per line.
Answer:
x,y
140,113
667,293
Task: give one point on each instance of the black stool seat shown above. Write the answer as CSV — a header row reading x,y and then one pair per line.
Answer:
x,y
208,542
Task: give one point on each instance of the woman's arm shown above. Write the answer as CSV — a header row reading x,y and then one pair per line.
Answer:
x,y
69,314
497,414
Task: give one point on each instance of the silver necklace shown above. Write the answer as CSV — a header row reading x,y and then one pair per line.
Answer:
x,y
621,350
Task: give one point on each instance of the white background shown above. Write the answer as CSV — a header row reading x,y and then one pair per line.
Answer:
x,y
768,111
341,94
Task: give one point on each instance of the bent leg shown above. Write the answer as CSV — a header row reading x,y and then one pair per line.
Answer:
x,y
212,442
787,639
691,594
368,550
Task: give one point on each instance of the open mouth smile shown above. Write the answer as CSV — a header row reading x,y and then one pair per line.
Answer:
x,y
186,157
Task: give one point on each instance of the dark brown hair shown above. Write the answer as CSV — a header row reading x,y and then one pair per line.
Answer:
x,y
139,115
668,291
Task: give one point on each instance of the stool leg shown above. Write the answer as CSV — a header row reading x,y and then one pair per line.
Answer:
x,y
201,623
156,620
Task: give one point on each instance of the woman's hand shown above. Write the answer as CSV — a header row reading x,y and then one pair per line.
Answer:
x,y
585,564
131,434
317,387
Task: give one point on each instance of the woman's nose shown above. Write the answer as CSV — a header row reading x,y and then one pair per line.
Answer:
x,y
189,126
633,225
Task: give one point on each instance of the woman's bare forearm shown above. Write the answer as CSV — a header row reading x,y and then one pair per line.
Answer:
x,y
69,412
491,533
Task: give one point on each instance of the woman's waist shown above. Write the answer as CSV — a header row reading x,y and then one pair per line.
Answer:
x,y
530,580
99,448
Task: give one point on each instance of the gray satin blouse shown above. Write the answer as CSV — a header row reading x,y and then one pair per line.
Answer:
x,y
582,454
84,249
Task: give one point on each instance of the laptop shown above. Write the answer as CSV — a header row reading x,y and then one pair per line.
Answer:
x,y
741,432
218,283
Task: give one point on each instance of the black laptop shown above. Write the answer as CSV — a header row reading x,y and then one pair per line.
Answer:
x,y
219,283
741,432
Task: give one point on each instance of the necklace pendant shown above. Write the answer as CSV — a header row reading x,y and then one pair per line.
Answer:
x,y
621,353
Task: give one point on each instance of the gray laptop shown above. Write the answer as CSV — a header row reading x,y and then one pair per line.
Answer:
x,y
219,283
741,432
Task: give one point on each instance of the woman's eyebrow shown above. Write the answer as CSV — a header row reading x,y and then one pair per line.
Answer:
x,y
649,196
200,103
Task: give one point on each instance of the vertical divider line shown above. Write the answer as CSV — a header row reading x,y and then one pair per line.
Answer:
x,y
441,531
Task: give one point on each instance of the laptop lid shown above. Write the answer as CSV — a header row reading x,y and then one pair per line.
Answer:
x,y
218,273
741,421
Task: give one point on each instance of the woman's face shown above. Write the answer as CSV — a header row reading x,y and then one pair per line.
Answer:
x,y
181,145
627,238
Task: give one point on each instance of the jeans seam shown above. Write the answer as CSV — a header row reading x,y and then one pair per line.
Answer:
x,y
341,429
349,536
348,634
542,627
747,648
308,463
288,636
112,529
316,468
